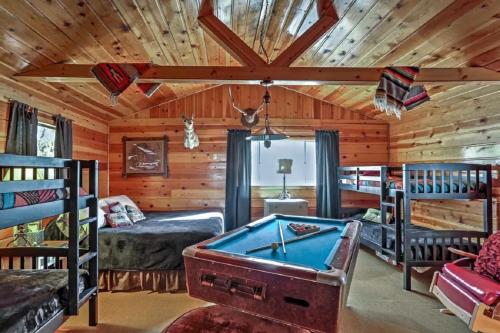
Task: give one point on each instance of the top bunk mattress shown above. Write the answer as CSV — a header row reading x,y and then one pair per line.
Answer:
x,y
157,242
29,298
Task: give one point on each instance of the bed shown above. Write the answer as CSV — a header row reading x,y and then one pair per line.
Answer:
x,y
404,242
148,255
39,286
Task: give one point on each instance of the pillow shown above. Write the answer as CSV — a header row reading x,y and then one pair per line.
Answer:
x,y
103,207
488,259
116,220
373,215
134,214
116,207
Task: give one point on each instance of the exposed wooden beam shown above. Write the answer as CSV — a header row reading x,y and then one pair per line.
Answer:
x,y
253,75
226,38
327,17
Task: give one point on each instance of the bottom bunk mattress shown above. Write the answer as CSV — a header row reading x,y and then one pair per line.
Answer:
x,y
156,244
429,249
30,298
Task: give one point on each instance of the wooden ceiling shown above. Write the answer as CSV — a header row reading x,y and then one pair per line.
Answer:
x,y
429,33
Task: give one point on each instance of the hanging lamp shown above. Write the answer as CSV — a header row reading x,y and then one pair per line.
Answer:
x,y
267,134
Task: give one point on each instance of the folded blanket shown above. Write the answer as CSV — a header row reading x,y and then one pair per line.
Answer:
x,y
118,77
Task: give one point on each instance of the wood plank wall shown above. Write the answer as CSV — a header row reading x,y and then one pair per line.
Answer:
x,y
457,129
197,178
90,141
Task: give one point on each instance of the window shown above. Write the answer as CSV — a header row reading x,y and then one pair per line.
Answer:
x,y
265,163
46,138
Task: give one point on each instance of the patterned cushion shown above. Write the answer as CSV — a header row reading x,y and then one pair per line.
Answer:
x,y
116,207
116,220
488,260
134,214
373,215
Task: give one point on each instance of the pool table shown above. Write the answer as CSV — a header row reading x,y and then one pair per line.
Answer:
x,y
306,287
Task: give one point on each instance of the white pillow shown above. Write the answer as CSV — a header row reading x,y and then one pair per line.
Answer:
x,y
103,207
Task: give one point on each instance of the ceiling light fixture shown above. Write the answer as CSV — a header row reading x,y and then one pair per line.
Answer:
x,y
267,134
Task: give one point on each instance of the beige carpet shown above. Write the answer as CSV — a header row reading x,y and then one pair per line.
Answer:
x,y
377,304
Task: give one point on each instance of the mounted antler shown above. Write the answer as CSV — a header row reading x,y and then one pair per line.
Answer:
x,y
249,116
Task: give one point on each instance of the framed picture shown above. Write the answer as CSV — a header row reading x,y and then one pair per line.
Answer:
x,y
144,156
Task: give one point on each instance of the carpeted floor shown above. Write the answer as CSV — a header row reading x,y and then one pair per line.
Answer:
x,y
377,303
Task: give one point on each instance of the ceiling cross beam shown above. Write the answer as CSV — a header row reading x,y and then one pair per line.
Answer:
x,y
226,38
254,75
327,18
232,43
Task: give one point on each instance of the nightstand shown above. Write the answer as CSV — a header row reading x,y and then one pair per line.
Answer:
x,y
286,207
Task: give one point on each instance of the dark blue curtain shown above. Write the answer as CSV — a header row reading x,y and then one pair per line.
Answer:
x,y
23,128
327,187
238,178
63,146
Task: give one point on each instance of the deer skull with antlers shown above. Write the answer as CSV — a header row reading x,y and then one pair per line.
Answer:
x,y
249,116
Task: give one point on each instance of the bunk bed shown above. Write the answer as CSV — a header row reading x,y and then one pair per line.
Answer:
x,y
404,242
35,297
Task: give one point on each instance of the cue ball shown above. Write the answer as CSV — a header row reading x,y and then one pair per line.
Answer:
x,y
274,246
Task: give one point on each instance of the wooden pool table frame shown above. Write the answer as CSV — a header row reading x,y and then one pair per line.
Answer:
x,y
288,293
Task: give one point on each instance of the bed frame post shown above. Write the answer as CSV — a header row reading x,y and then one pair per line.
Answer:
x,y
74,237
488,203
93,241
406,224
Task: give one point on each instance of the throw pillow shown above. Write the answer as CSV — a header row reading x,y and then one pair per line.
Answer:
x,y
134,214
374,215
117,207
116,220
488,260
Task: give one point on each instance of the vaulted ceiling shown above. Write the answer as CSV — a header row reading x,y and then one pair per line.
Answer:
x,y
428,33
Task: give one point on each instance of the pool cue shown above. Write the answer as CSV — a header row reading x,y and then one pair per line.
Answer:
x,y
293,239
282,238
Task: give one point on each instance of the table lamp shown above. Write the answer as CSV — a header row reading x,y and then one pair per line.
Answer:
x,y
284,167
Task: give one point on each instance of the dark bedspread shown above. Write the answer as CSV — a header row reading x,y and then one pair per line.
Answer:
x,y
29,298
157,242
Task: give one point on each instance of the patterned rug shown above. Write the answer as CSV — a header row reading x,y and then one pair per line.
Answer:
x,y
220,319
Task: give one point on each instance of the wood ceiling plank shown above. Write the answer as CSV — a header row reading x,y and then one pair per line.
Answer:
x,y
279,14
438,22
38,23
253,16
389,30
462,52
87,20
295,21
324,23
194,30
118,27
152,13
371,22
345,25
476,18
53,11
229,40
136,23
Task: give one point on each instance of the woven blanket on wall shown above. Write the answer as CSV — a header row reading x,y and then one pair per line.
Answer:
x,y
118,77
395,90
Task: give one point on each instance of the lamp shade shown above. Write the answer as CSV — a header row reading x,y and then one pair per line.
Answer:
x,y
285,166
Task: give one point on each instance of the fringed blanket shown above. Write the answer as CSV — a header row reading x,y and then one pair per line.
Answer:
x,y
395,90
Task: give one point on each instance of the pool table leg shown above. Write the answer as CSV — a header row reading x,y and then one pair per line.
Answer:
x,y
407,277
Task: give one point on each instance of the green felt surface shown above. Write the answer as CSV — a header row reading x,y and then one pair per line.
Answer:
x,y
311,252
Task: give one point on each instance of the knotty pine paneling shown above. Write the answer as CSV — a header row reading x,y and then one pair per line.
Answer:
x,y
90,141
197,178
465,129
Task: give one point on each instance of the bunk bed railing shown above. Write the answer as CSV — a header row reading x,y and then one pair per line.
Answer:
x,y
52,174
430,247
354,178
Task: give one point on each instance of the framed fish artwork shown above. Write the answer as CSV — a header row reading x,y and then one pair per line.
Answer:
x,y
145,156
